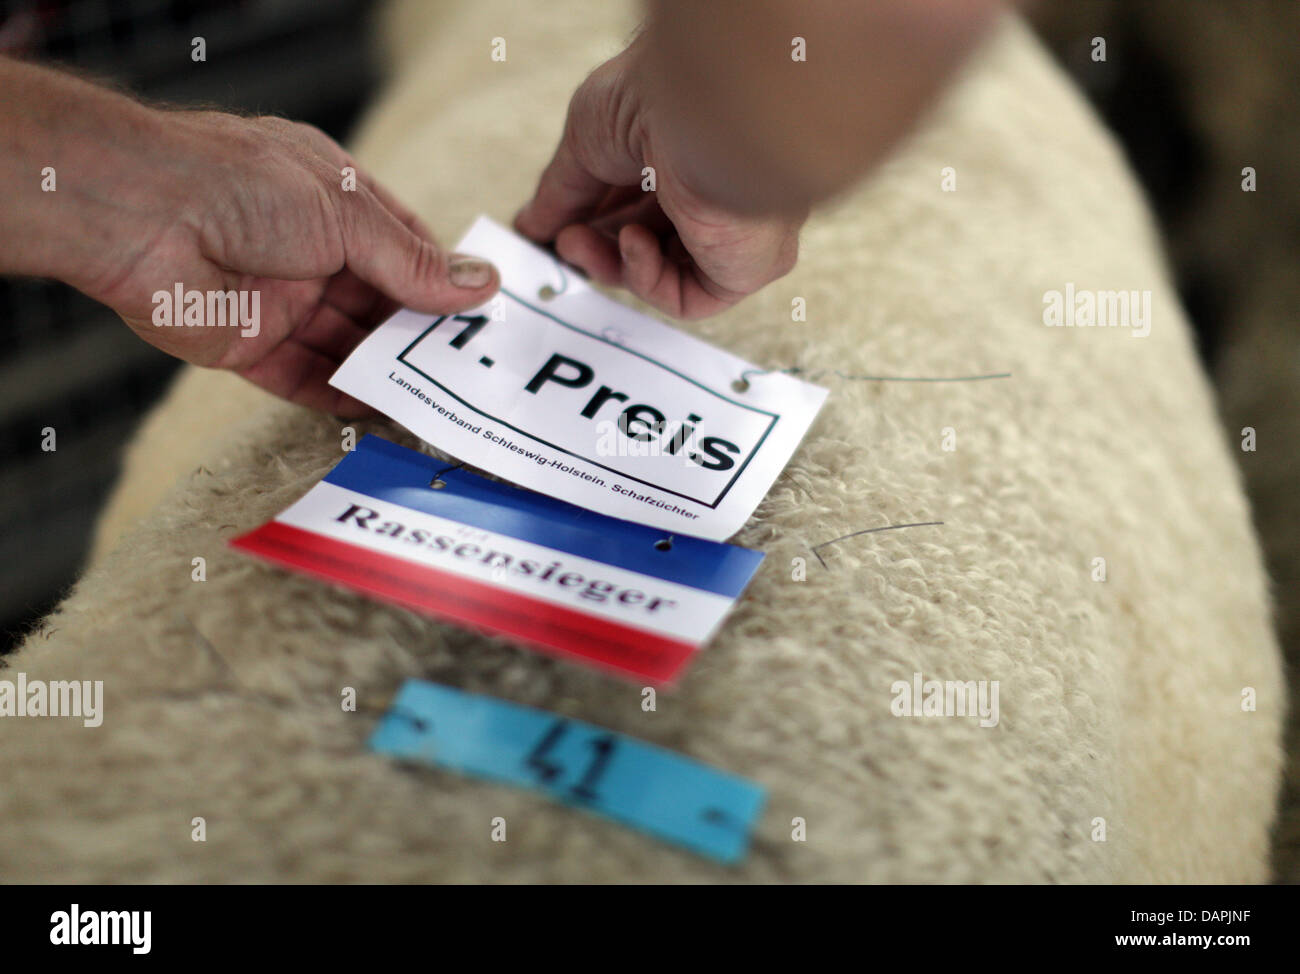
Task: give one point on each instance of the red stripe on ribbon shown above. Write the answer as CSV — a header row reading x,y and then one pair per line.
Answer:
x,y
449,596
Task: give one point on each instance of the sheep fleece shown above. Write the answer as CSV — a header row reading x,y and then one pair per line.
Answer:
x,y
1121,700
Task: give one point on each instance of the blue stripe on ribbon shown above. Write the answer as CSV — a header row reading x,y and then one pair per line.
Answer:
x,y
392,473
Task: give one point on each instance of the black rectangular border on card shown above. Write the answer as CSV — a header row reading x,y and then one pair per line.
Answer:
x,y
401,357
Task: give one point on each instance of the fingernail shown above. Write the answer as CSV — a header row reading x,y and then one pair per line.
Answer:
x,y
469,272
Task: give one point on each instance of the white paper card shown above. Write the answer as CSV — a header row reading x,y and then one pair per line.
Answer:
x,y
558,388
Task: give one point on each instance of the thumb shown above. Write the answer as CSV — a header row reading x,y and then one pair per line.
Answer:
x,y
595,153
410,269
566,193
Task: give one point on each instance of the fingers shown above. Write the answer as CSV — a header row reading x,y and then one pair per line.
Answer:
x,y
301,375
358,300
594,253
732,257
598,150
396,207
326,259
408,267
388,247
682,254
671,277
673,287
567,193
331,333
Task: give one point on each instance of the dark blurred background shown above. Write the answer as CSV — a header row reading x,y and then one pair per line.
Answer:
x,y
68,363
1196,90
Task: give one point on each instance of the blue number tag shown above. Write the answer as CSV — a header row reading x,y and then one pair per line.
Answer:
x,y
662,793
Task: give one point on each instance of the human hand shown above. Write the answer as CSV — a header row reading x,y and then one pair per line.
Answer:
x,y
147,200
257,205
671,247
